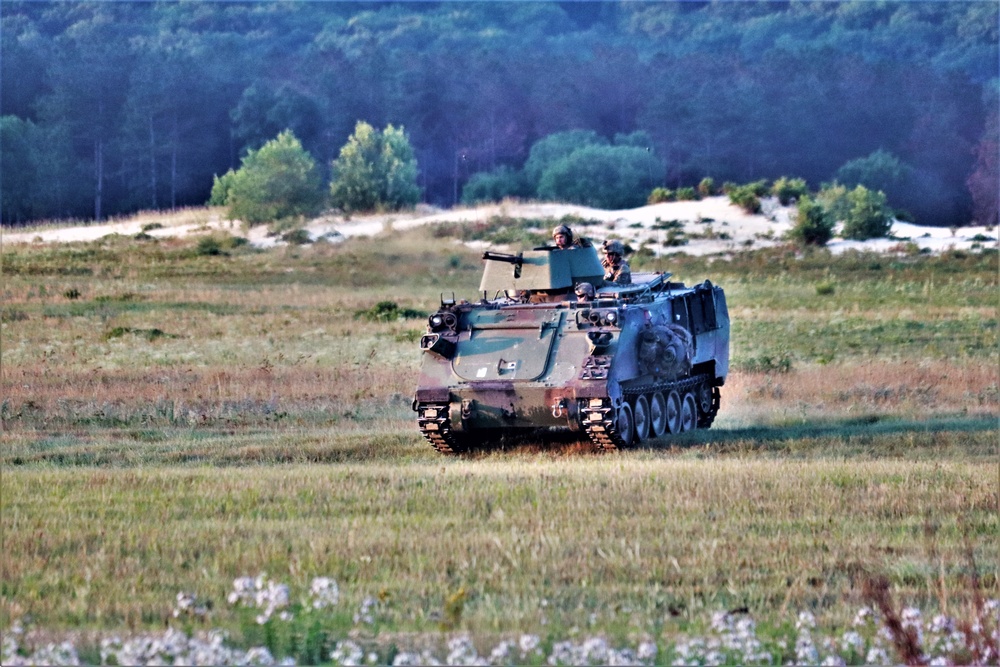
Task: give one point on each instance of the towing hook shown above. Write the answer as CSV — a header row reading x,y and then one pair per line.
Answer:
x,y
559,408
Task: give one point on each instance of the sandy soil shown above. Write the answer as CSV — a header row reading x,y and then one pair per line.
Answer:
x,y
712,226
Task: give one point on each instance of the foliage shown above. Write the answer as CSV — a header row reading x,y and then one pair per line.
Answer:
x,y
375,171
789,189
706,187
610,177
388,311
277,182
120,109
660,195
747,197
496,185
549,150
879,171
688,194
869,216
864,213
813,225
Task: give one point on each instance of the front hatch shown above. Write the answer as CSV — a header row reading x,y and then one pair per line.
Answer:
x,y
513,345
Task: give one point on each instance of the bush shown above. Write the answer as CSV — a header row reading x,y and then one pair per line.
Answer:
x,y
687,194
495,186
660,195
277,182
388,311
879,171
788,189
547,151
297,237
746,197
868,217
813,225
706,188
609,177
375,171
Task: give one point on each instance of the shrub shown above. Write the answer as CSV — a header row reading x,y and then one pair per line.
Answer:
x,y
687,194
375,171
277,182
547,151
813,225
880,171
706,187
868,217
745,197
660,195
608,177
788,189
388,311
297,237
209,246
834,200
495,186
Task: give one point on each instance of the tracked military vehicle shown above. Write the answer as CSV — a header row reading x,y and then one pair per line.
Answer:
x,y
635,362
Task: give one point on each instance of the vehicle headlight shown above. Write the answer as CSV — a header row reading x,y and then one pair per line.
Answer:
x,y
436,321
612,317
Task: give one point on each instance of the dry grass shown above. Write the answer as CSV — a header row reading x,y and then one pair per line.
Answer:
x,y
267,429
111,547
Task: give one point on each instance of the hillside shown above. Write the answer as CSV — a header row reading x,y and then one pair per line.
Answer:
x,y
711,226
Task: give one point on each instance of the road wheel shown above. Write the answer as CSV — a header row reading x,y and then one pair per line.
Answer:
x,y
640,414
689,413
674,412
625,425
709,400
657,415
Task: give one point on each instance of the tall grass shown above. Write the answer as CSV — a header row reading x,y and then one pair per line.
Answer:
x,y
268,430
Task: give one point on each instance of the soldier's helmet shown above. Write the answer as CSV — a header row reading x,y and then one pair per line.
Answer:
x,y
563,229
585,290
614,247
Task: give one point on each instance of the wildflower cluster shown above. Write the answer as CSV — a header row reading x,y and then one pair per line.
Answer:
x,y
174,647
260,593
188,604
63,653
877,636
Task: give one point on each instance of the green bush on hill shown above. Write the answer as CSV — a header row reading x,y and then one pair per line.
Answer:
x,y
375,171
278,182
813,225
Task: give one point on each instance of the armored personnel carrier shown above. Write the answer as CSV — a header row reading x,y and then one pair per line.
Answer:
x,y
634,362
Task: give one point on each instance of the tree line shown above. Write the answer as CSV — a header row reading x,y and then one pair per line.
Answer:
x,y
109,108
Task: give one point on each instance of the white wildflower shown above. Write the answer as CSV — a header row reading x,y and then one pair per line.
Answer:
x,y
647,651
865,616
806,652
347,653
942,624
877,655
366,613
852,641
806,621
529,645
502,653
323,593
461,651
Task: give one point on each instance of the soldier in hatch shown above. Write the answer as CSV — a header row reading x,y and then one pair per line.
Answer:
x,y
616,269
584,293
564,239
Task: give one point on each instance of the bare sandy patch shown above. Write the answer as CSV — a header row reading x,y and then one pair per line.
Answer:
x,y
710,226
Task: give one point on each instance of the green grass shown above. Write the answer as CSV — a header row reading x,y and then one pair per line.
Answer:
x,y
267,428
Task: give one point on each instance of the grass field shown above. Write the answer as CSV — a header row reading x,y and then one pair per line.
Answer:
x,y
178,414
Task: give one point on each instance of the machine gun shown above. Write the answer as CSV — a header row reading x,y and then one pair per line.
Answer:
x,y
517,260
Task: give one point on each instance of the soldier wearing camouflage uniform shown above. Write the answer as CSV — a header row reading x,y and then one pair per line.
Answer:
x,y
616,269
